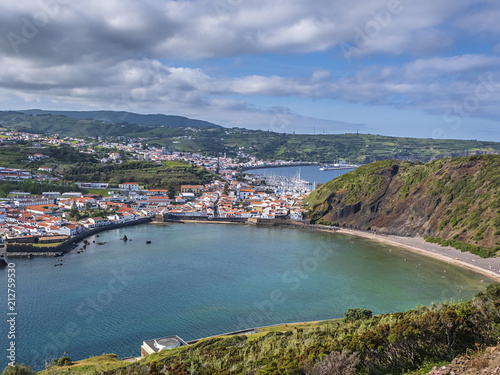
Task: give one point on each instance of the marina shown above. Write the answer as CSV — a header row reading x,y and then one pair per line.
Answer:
x,y
306,177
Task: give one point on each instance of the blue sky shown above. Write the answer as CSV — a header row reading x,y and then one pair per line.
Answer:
x,y
423,68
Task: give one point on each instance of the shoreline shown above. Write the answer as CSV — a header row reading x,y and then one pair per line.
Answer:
x,y
447,254
489,267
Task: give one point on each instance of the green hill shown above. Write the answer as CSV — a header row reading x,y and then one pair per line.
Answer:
x,y
454,201
122,117
181,134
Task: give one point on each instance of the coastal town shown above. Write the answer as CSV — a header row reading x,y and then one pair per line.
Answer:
x,y
40,223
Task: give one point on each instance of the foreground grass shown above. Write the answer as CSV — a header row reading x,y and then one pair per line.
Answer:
x,y
105,362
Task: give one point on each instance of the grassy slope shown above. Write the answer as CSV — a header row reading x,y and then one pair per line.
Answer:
x,y
456,199
16,156
151,174
79,167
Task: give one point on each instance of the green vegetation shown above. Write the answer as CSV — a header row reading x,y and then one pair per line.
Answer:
x,y
93,365
383,344
18,369
360,148
16,156
357,314
35,187
143,172
53,244
74,166
63,361
483,252
101,192
350,188
456,201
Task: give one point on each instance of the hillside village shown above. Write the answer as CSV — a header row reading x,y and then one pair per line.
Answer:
x,y
51,218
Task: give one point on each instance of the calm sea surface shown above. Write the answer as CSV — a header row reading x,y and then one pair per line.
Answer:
x,y
197,280
309,173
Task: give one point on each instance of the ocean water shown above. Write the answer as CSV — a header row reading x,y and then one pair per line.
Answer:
x,y
197,280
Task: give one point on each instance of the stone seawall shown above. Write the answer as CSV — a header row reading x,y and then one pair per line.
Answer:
x,y
27,250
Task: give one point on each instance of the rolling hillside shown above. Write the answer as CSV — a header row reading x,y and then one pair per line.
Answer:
x,y
123,117
181,134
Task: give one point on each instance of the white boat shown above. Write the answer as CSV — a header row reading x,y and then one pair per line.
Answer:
x,y
338,166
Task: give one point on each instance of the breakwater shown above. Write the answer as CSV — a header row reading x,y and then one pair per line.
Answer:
x,y
244,169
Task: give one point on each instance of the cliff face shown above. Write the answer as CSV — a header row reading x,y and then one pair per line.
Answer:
x,y
456,198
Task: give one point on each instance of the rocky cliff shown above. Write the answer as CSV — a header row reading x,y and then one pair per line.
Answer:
x,y
456,199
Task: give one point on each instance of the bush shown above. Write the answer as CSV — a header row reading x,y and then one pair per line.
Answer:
x,y
338,363
63,361
483,252
18,369
357,314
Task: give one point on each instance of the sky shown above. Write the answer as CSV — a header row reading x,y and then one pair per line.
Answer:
x,y
416,68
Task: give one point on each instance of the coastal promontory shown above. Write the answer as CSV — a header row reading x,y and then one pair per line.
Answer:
x,y
454,201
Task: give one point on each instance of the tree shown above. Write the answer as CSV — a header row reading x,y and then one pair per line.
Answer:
x,y
5,189
74,211
356,314
225,191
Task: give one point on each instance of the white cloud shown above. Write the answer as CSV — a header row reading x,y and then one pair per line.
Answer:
x,y
131,55
201,28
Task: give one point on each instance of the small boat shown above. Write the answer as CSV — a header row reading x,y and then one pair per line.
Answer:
x,y
338,166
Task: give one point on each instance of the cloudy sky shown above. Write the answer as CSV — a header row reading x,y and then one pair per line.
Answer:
x,y
426,68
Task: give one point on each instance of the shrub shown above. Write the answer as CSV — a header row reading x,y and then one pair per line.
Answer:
x,y
357,314
338,363
63,361
18,369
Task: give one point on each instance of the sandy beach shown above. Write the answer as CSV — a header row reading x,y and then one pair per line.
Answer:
x,y
489,267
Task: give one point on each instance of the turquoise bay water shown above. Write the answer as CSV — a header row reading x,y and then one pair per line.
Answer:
x,y
197,280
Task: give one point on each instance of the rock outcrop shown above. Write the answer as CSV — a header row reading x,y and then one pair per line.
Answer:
x,y
455,198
